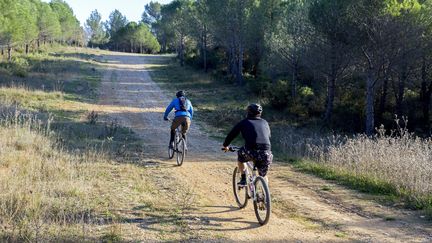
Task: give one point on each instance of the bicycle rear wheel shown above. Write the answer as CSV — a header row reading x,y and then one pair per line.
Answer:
x,y
181,151
240,193
262,202
171,152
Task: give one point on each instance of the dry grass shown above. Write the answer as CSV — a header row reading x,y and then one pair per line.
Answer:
x,y
40,184
403,161
50,194
397,163
60,176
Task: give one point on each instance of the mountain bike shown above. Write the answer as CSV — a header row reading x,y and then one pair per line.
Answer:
x,y
256,189
179,147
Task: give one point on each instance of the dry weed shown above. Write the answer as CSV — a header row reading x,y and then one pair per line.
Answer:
x,y
399,158
40,184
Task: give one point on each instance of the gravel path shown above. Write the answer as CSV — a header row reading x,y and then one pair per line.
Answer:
x,y
303,211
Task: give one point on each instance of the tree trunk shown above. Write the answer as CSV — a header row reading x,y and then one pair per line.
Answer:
x,y
181,50
205,49
426,100
164,44
9,49
26,48
383,100
401,92
331,86
370,122
239,75
256,61
294,78
425,96
256,58
232,61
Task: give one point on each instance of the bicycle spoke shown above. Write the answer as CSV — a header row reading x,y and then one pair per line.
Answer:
x,y
240,192
262,204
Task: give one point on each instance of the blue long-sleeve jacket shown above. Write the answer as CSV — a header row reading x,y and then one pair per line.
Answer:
x,y
175,104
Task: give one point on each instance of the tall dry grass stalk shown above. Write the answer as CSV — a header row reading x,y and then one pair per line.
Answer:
x,y
40,184
400,159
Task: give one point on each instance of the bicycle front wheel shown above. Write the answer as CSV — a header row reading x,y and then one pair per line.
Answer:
x,y
240,193
262,202
181,151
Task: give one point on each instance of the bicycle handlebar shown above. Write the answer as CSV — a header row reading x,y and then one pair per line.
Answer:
x,y
232,149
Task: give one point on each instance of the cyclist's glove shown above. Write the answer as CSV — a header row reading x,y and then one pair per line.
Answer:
x,y
166,118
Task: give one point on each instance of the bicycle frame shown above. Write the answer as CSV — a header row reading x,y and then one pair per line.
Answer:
x,y
177,137
251,177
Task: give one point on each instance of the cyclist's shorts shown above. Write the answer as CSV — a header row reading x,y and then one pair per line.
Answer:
x,y
261,158
183,121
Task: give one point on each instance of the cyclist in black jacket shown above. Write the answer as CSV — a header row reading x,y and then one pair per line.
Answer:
x,y
256,133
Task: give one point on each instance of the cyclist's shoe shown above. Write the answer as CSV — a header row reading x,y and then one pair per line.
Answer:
x,y
242,182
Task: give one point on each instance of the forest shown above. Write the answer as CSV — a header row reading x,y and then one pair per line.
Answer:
x,y
118,34
330,63
346,87
324,63
25,25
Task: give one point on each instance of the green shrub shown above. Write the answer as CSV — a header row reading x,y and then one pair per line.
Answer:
x,y
306,92
19,66
279,94
4,71
259,86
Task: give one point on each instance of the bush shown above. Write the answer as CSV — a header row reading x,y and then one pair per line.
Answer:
x,y
279,94
18,67
259,86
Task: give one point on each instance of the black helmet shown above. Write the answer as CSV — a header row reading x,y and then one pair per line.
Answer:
x,y
254,110
180,94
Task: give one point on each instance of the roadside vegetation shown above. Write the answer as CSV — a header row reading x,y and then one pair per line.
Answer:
x,y
394,164
344,66
67,171
118,34
326,72
29,26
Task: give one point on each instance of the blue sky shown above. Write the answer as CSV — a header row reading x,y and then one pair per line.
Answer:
x,y
131,8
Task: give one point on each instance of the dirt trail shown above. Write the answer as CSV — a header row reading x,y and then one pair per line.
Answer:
x,y
303,210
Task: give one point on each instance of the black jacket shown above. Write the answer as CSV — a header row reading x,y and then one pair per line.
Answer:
x,y
255,132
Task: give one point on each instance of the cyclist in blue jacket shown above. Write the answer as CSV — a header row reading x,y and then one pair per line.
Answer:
x,y
183,115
